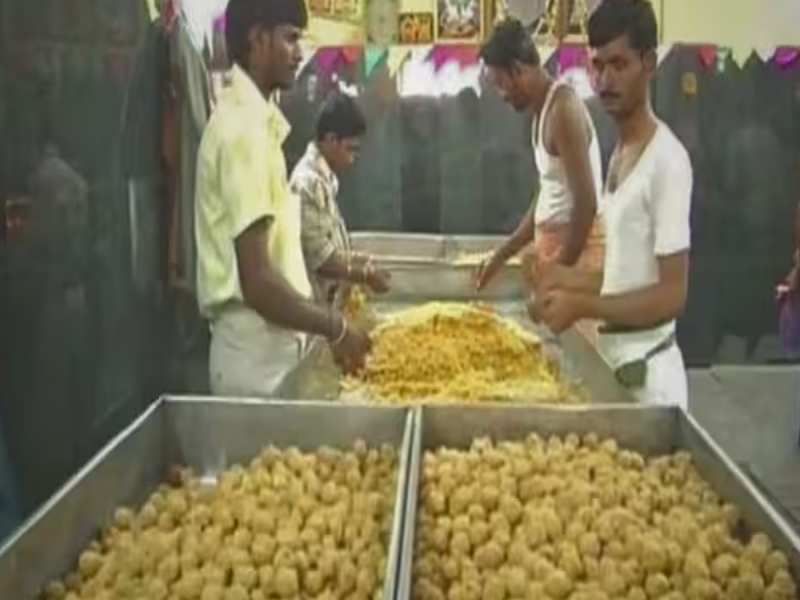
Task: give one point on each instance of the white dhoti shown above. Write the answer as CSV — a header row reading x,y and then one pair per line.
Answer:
x,y
666,381
248,356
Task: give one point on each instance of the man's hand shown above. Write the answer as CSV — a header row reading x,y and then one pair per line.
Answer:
x,y
530,266
556,276
560,309
378,280
351,351
488,269
551,276
534,307
548,277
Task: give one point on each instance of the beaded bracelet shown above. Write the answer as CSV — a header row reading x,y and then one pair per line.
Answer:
x,y
342,335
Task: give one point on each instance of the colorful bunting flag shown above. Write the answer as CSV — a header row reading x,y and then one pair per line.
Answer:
x,y
417,77
546,53
664,50
707,56
309,54
352,54
463,55
766,52
328,60
373,56
395,57
741,54
723,54
570,57
220,23
786,57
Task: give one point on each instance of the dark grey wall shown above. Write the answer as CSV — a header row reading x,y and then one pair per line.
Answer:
x,y
81,304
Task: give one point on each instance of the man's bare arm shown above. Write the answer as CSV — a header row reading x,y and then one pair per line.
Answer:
x,y
571,141
522,236
663,301
359,270
269,294
572,279
336,267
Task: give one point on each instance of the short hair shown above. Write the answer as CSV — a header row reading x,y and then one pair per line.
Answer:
x,y
510,42
341,116
615,18
242,15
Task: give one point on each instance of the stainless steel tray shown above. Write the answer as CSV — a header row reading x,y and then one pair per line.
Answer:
x,y
430,262
421,245
647,429
581,365
399,244
206,434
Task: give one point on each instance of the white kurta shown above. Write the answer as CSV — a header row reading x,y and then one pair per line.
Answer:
x,y
647,217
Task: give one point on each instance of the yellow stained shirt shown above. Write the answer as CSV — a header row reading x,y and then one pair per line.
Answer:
x,y
241,178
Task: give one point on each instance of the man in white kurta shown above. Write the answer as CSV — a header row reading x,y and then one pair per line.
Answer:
x,y
646,202
647,217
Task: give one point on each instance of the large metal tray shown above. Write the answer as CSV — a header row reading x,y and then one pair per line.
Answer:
x,y
430,262
422,245
650,430
206,434
432,275
580,364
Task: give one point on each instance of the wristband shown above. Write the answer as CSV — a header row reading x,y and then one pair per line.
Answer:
x,y
342,335
369,269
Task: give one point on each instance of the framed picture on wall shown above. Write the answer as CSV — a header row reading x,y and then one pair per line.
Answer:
x,y
382,22
351,11
320,8
415,28
567,18
459,21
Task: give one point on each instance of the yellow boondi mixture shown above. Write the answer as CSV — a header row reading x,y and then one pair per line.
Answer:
x,y
456,352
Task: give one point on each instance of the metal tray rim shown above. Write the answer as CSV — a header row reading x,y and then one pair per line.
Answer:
x,y
777,519
404,447
395,550
683,417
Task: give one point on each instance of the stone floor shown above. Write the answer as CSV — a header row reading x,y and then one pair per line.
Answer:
x,y
754,414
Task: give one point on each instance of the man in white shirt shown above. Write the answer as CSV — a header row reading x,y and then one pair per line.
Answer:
x,y
646,202
566,151
252,283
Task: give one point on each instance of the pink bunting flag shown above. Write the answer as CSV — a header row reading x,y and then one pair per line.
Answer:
x,y
570,57
464,55
328,60
352,54
468,56
220,23
707,56
786,57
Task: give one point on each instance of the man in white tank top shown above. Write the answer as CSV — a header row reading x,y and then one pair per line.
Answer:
x,y
567,155
643,286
